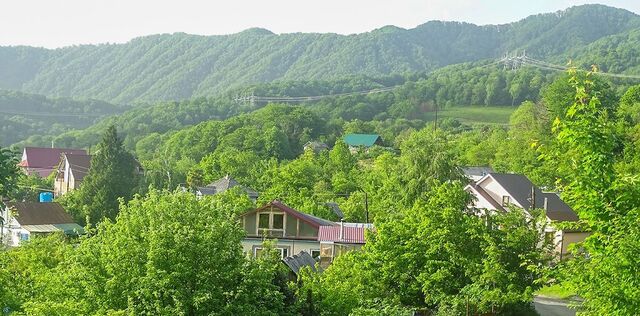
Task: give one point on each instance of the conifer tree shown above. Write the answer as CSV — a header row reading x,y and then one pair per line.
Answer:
x,y
113,175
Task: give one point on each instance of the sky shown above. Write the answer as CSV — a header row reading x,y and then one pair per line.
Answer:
x,y
58,23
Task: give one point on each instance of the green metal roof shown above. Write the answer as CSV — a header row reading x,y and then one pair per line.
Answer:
x,y
366,140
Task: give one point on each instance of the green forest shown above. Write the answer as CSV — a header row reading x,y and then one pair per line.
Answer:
x,y
182,66
427,254
164,115
23,115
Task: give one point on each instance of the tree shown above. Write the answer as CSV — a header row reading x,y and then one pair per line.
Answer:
x,y
9,173
113,175
166,254
604,272
437,255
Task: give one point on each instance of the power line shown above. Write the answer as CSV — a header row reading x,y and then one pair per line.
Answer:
x,y
254,98
51,114
515,61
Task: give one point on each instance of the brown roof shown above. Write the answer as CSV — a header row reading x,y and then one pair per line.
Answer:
x,y
34,213
79,164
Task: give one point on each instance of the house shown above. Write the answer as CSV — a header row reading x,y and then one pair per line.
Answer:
x,y
476,173
336,240
295,231
72,169
501,191
44,161
315,146
366,141
224,184
23,220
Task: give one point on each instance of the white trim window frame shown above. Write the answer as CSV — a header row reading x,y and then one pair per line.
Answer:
x,y
276,224
284,251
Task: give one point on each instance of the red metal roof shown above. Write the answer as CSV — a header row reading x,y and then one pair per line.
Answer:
x,y
350,235
44,161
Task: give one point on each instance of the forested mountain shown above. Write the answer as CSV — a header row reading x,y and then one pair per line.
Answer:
x,y
182,66
23,115
412,98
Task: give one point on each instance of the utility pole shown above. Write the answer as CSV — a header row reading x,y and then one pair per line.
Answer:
x,y
435,123
533,197
366,206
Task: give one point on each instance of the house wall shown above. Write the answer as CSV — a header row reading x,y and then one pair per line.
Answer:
x,y
569,238
250,224
12,232
291,229
480,202
496,191
294,227
293,246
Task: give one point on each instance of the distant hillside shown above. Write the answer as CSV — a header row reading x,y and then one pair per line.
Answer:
x,y
25,115
182,66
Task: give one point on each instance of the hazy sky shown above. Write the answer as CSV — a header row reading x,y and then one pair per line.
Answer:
x,y
56,23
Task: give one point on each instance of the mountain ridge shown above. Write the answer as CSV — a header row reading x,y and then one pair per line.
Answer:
x,y
180,66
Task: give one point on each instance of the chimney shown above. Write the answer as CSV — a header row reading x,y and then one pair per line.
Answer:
x,y
546,204
341,229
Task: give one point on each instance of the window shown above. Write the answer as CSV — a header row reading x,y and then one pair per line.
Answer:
x,y
284,252
506,200
263,222
271,224
315,253
326,250
24,236
278,221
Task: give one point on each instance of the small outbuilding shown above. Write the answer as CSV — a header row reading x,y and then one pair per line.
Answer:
x,y
24,220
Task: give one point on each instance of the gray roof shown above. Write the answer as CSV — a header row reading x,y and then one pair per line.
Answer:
x,y
519,187
477,171
296,262
225,184
79,165
316,146
335,208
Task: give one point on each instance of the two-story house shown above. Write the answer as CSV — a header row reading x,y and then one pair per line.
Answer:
x,y
501,191
44,161
295,231
72,168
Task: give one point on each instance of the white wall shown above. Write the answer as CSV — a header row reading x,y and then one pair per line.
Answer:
x,y
294,246
496,191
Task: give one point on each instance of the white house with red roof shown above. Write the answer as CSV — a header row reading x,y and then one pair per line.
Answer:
x,y
294,231
44,161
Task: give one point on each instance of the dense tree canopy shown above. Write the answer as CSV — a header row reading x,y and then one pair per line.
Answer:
x,y
113,175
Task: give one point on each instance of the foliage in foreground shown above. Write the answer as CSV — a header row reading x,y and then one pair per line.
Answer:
x,y
606,196
438,256
167,254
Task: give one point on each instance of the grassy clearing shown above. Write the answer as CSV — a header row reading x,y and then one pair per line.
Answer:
x,y
556,291
498,115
